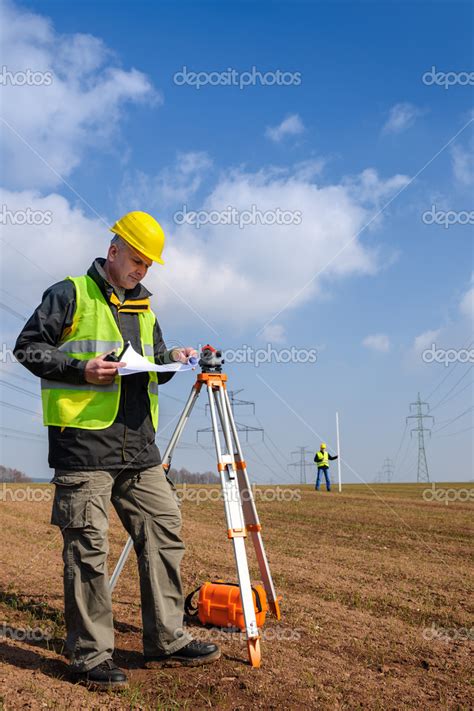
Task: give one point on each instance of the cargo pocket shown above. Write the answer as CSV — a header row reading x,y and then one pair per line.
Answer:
x,y
71,505
173,488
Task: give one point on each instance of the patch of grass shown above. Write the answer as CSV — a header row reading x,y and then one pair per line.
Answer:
x,y
37,609
134,697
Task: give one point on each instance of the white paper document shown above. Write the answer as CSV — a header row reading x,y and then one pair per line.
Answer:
x,y
135,363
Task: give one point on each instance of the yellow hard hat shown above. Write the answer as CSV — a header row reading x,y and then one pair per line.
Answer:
x,y
141,231
323,446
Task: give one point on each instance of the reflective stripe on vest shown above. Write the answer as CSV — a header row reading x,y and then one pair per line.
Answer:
x,y
93,332
324,461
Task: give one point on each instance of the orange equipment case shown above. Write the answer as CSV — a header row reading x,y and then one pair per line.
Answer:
x,y
219,604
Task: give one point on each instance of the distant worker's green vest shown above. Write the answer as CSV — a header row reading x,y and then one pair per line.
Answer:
x,y
93,332
323,459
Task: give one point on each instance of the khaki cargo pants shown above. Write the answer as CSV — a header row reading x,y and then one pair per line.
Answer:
x,y
147,506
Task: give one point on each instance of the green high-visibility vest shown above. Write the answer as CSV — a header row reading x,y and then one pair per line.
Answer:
x,y
323,459
93,332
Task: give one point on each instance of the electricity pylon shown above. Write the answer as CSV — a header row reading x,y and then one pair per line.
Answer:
x,y
387,469
234,402
422,473
302,463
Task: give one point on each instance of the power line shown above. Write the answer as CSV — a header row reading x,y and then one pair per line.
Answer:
x,y
272,441
21,409
450,371
451,434
177,399
21,390
400,447
443,400
23,439
260,459
15,298
8,244
454,419
406,453
19,377
12,311
21,432
272,454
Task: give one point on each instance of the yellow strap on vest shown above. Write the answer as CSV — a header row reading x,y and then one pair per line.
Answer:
x,y
130,306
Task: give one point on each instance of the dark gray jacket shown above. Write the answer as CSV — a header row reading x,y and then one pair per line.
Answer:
x,y
130,440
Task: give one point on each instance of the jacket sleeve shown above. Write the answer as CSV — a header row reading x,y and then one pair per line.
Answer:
x,y
332,457
162,355
36,346
317,457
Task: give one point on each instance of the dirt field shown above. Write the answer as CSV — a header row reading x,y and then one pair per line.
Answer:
x,y
377,606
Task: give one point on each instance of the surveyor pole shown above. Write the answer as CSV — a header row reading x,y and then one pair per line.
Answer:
x,y
338,453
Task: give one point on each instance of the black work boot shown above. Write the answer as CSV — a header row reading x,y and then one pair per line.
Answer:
x,y
104,676
193,654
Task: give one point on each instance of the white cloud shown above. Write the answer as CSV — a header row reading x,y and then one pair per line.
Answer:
x,y
424,340
377,342
78,106
368,188
33,256
291,126
309,169
168,187
229,275
274,333
262,268
400,117
463,165
466,305
233,276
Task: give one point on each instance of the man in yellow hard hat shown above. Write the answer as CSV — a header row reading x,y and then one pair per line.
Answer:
x,y
322,459
102,448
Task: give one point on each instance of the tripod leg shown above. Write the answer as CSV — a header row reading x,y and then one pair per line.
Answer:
x,y
166,461
185,415
235,522
120,563
251,519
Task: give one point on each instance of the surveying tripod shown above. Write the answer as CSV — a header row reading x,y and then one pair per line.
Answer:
x,y
240,511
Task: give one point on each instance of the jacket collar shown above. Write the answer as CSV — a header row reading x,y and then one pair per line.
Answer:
x,y
96,272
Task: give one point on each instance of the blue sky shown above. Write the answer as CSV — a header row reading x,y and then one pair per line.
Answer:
x,y
360,145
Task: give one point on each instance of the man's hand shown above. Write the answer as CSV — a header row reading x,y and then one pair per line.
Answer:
x,y
101,372
181,355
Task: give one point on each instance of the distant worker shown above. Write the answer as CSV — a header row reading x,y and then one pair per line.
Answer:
x,y
322,458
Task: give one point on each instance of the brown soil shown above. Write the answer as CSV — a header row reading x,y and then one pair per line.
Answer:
x,y
367,580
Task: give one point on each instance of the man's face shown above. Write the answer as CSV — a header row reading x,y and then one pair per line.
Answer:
x,y
126,266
